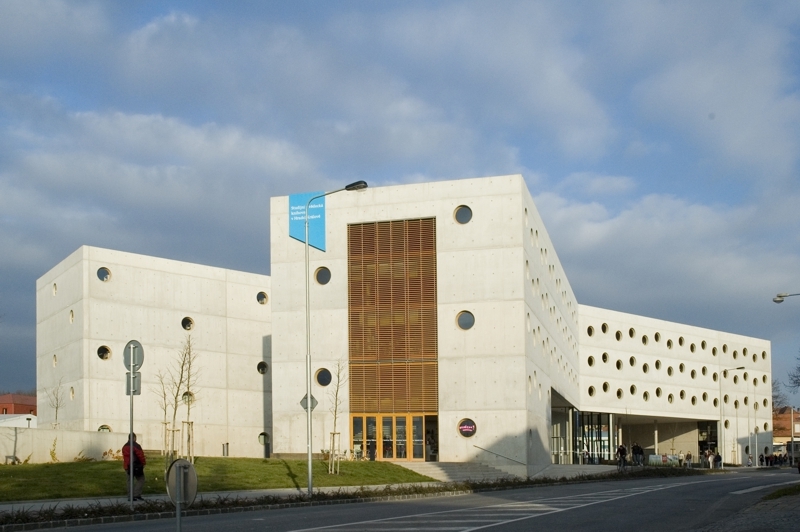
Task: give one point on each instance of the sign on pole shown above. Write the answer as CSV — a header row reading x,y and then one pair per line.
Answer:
x,y
304,402
133,350
135,382
133,358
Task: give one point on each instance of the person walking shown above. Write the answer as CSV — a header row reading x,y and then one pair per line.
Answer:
x,y
687,463
139,462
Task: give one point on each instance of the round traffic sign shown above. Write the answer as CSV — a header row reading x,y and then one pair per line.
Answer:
x,y
183,470
135,349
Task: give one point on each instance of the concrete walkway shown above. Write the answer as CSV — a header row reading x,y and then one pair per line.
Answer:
x,y
779,515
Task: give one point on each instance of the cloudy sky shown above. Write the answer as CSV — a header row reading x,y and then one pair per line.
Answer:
x,y
660,139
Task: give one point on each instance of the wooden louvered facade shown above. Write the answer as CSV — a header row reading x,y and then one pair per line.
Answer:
x,y
392,318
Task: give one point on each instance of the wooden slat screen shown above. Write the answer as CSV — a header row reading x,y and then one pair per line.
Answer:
x,y
392,316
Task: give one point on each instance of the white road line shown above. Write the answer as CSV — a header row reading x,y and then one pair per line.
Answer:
x,y
758,488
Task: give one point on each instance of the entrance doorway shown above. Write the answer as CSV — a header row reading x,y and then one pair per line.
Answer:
x,y
395,437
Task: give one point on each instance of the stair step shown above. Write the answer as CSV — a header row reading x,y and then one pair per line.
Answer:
x,y
456,471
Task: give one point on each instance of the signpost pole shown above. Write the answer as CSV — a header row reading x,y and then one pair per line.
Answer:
x,y
178,495
130,432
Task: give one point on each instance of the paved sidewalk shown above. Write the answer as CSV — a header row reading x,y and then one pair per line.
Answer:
x,y
778,515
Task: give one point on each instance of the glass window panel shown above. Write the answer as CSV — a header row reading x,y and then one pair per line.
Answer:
x,y
372,434
402,438
358,437
388,437
418,435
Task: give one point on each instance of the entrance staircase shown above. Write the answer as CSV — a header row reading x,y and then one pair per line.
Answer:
x,y
455,471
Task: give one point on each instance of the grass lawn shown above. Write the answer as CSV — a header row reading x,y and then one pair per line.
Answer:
x,y
107,478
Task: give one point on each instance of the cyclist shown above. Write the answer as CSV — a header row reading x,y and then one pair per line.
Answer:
x,y
621,453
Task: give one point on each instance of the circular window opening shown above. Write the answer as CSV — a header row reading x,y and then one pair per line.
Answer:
x,y
670,398
725,399
658,392
619,365
755,357
763,355
618,336
71,316
103,352
262,298
645,368
604,328
631,332
669,371
323,377
633,389
714,351
591,361
703,345
704,370
263,438
694,400
657,337
104,274
463,214
755,406
681,368
724,348
619,393
646,396
465,320
694,374
766,427
745,375
71,393
746,449
55,288
736,379
605,357
605,386
692,348
716,402
187,323
644,339
188,398
591,391
104,428
744,352
766,403
262,367
632,361
658,364
746,401
764,379
683,394
727,424
736,404
322,275
680,341
669,344
590,331
55,361
735,354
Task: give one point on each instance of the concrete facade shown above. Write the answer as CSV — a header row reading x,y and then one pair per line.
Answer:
x,y
530,367
92,303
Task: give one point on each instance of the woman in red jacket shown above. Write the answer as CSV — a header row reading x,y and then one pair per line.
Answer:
x,y
139,462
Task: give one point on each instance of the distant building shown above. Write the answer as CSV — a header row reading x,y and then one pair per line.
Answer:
x,y
782,430
14,403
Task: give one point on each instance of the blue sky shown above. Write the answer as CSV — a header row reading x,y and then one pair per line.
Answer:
x,y
660,139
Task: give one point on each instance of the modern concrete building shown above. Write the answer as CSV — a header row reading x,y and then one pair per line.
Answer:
x,y
91,304
443,327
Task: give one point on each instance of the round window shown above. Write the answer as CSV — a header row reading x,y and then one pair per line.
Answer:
x,y
465,320
324,377
322,275
187,323
463,214
104,274
467,428
103,352
104,428
262,367
263,438
188,398
262,298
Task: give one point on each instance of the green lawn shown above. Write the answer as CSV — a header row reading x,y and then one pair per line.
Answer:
x,y
106,478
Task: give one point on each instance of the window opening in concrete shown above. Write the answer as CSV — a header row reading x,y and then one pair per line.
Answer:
x,y
716,402
727,424
605,386
724,348
669,371
657,337
323,377
725,399
692,348
263,438
55,288
644,339
465,320
766,427
669,344
736,379
463,214
633,389
590,331
714,351
694,400
591,361
735,354
755,382
703,345
658,364
262,298
704,370
105,428
632,361
645,368
744,352
71,393
619,393
55,360
618,336
670,398
322,275
680,341
187,323
694,374
591,391
646,396
631,332
619,365
763,355
755,406
103,352
755,358
658,392
604,327
746,375
764,379
188,398
262,367
104,274
683,394
605,357
71,316
681,368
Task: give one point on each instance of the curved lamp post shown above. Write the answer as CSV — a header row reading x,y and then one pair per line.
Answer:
x,y
780,297
358,185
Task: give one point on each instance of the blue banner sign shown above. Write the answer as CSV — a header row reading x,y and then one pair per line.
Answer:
x,y
316,219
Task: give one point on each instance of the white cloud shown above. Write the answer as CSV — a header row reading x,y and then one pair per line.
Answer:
x,y
592,184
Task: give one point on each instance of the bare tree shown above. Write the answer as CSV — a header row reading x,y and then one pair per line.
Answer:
x,y
779,398
339,379
179,385
55,399
794,377
163,395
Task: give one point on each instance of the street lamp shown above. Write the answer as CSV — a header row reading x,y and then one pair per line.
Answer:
x,y
721,416
780,297
358,185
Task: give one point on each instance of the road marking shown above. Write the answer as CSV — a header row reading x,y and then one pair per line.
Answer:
x,y
497,514
758,488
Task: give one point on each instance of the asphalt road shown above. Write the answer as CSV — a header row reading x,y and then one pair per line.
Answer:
x,y
671,505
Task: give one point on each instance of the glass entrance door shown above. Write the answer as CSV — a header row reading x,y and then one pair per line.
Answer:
x,y
387,437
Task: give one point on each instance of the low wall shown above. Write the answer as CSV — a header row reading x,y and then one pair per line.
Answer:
x,y
37,445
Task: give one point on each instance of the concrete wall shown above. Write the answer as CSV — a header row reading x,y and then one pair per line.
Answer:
x,y
35,445
147,298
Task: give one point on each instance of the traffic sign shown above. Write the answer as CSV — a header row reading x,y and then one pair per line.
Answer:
x,y
304,402
137,383
135,348
181,471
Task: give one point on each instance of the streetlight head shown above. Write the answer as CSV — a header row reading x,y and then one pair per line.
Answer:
x,y
358,185
778,299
